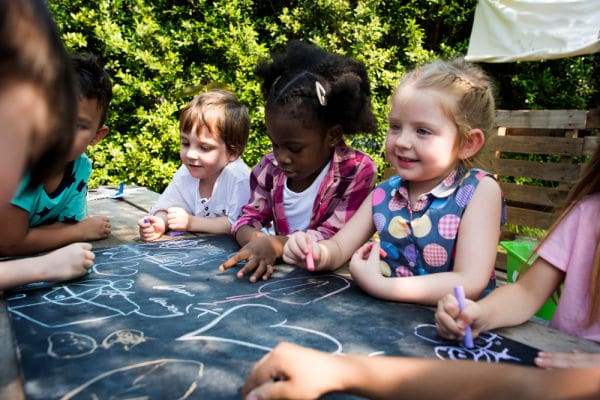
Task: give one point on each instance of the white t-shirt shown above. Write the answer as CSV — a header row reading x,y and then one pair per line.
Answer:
x,y
230,193
298,206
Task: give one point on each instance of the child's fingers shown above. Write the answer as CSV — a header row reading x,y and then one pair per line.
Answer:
x,y
236,258
293,251
263,271
374,251
446,318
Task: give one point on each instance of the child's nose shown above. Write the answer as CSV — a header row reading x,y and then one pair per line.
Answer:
x,y
191,154
403,141
283,157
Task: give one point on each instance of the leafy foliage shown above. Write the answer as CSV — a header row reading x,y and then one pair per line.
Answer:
x,y
161,53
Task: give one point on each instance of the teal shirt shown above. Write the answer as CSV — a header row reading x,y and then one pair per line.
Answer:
x,y
66,204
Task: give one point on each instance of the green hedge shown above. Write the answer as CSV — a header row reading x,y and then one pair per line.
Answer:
x,y
161,53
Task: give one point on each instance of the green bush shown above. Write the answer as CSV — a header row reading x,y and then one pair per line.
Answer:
x,y
161,53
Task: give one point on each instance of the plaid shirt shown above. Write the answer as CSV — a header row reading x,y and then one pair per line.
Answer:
x,y
348,182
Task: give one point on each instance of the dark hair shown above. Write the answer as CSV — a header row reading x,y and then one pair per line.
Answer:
x,y
222,113
318,88
93,81
31,51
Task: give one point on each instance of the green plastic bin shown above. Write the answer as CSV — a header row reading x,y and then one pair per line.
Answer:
x,y
517,254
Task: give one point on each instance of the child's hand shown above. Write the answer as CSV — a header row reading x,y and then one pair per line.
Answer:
x,y
68,262
260,256
178,219
575,359
296,249
94,228
365,270
151,228
293,372
451,323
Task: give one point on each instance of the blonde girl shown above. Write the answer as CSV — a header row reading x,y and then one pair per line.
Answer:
x,y
568,255
438,220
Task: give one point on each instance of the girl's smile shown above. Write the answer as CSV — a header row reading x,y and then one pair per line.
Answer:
x,y
422,141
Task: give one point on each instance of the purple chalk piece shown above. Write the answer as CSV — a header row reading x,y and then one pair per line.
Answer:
x,y
459,293
176,233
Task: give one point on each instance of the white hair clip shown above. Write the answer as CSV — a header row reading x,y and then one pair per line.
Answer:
x,y
321,93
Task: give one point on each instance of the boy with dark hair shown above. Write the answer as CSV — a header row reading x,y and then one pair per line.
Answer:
x,y
53,214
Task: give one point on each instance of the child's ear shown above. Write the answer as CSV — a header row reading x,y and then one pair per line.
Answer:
x,y
100,134
232,155
471,144
334,134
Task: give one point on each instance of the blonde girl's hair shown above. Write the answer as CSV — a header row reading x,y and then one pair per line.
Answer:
x,y
466,92
224,116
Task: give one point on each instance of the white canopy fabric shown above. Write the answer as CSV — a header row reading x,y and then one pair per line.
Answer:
x,y
529,30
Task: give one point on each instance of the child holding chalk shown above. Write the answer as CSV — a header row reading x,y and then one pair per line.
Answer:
x,y
208,191
54,213
568,255
38,107
438,221
312,181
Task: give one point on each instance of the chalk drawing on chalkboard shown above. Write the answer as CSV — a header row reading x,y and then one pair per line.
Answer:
x,y
174,288
257,326
68,345
128,338
123,260
295,291
488,346
116,268
303,291
144,380
103,298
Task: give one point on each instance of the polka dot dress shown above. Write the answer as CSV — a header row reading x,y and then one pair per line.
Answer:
x,y
422,239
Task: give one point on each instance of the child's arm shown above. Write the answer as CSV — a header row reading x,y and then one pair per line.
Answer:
x,y
292,371
508,305
65,263
332,253
575,359
179,219
49,237
19,239
476,248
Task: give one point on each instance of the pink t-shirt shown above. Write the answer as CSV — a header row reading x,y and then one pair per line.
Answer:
x,y
571,248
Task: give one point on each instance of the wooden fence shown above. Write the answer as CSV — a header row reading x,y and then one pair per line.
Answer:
x,y
537,156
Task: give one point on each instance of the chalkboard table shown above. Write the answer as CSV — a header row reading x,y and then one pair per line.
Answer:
x,y
160,321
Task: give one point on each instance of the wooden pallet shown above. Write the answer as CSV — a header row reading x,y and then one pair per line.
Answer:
x,y
560,140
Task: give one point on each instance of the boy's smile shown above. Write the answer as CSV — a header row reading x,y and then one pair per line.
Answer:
x,y
204,154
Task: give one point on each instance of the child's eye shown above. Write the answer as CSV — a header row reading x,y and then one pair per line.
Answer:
x,y
295,150
394,127
205,148
423,131
185,144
